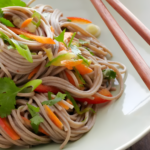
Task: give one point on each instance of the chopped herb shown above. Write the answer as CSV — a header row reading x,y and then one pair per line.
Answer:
x,y
60,38
5,3
75,49
6,22
36,118
50,95
84,119
38,16
85,61
57,99
24,37
8,93
110,74
71,39
1,13
83,42
90,51
77,107
79,75
34,53
22,49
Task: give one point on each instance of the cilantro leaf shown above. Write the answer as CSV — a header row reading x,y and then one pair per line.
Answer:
x,y
77,107
50,95
75,49
1,13
110,74
38,16
85,61
83,42
90,51
6,22
57,99
71,39
8,93
3,3
35,122
36,118
60,38
24,37
79,75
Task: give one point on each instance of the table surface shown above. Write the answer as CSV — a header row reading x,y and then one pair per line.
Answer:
x,y
143,144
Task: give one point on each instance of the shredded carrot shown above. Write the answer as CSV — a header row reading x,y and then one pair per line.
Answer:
x,y
53,117
8,129
61,47
79,20
40,39
63,105
69,101
28,122
69,64
26,22
34,72
67,36
70,78
83,69
52,29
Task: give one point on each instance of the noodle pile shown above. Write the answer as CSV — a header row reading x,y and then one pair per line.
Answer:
x,y
17,68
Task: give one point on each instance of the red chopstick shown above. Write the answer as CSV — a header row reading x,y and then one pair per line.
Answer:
x,y
135,58
131,19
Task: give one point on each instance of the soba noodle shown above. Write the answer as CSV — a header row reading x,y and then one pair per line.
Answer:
x,y
16,67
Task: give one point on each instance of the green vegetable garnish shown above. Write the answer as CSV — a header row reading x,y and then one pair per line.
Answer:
x,y
38,16
90,51
79,75
4,3
68,20
77,107
8,93
83,42
109,74
60,38
75,49
24,37
71,39
36,118
85,61
57,99
57,61
6,22
22,49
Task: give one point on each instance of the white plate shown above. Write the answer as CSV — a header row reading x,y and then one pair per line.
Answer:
x,y
121,123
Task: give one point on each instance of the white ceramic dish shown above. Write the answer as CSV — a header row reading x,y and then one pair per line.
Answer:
x,y
121,123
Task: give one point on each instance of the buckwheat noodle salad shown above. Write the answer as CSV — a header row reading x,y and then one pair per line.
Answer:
x,y
53,75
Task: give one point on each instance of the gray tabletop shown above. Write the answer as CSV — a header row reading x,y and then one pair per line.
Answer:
x,y
143,144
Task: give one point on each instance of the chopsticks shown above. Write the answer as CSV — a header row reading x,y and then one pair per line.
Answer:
x,y
131,19
135,58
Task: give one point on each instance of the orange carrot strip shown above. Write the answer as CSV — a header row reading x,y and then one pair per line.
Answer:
x,y
79,20
71,63
83,69
40,39
53,117
52,29
62,47
28,122
69,101
34,72
63,105
70,78
67,35
26,22
8,129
